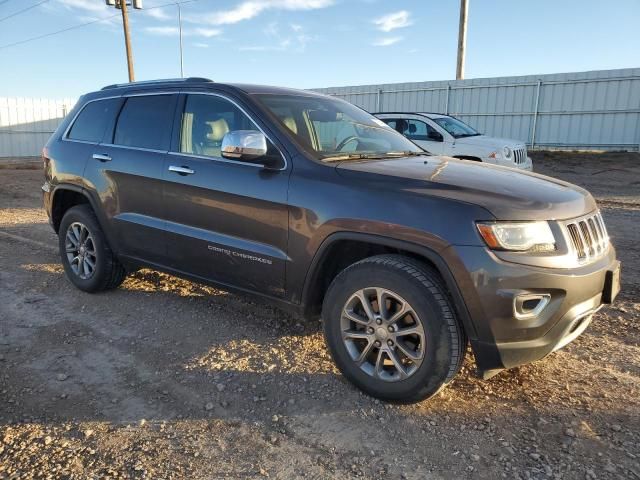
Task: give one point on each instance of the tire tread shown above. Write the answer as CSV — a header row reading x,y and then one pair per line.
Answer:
x,y
114,273
430,279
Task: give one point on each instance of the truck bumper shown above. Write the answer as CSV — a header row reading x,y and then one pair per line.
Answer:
x,y
493,290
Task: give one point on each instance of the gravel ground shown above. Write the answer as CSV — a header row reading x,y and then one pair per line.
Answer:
x,y
163,378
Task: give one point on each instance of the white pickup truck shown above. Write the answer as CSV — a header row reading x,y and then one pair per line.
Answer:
x,y
445,135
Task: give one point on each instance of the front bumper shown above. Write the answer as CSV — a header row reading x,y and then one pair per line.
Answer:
x,y
490,286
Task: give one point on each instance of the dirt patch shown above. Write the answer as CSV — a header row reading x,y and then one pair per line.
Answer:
x,y
163,378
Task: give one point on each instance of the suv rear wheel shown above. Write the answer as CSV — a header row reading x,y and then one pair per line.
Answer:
x,y
86,257
391,329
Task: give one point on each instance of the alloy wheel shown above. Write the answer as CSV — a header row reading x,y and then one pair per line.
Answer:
x,y
80,250
383,334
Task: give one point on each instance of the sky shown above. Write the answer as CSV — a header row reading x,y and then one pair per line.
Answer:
x,y
308,43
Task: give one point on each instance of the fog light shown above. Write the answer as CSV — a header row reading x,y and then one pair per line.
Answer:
x,y
530,305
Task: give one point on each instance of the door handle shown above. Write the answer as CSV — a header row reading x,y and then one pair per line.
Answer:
x,y
181,170
102,157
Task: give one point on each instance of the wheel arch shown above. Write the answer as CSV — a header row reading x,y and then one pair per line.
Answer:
x,y
63,198
363,245
66,196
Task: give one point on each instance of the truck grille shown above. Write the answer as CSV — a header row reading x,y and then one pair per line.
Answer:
x,y
588,236
520,155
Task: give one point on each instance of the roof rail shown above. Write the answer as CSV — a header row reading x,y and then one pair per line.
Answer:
x,y
153,82
410,113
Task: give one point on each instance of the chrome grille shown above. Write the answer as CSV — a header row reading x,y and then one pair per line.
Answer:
x,y
588,236
519,155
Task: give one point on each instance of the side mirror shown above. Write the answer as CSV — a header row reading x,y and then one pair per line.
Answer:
x,y
247,145
435,136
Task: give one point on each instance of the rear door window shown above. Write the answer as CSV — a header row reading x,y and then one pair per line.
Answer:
x,y
93,120
145,122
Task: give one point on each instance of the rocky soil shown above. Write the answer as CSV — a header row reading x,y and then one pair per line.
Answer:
x,y
164,378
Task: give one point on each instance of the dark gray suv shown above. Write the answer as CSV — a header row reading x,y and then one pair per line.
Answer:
x,y
322,208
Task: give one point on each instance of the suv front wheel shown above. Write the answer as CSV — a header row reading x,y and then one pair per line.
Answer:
x,y
86,257
391,329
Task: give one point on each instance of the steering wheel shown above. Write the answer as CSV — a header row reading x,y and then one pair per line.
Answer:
x,y
344,142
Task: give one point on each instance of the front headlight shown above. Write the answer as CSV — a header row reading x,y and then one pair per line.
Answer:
x,y
518,236
506,151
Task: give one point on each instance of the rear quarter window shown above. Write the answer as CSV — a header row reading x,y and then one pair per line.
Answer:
x,y
93,120
145,122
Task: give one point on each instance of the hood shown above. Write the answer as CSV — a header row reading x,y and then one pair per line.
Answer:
x,y
509,194
486,141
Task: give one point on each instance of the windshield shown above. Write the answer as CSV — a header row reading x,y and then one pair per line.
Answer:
x,y
455,127
332,129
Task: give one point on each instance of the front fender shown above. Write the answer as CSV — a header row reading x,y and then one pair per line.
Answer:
x,y
435,253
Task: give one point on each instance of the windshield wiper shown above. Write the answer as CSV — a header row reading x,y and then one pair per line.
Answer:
x,y
361,156
407,154
350,156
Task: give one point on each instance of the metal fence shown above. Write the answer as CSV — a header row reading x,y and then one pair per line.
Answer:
x,y
27,123
597,110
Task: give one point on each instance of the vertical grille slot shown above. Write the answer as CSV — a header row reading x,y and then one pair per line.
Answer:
x,y
595,235
518,156
577,241
588,237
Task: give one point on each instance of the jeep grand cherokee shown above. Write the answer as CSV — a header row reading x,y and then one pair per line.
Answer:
x,y
322,208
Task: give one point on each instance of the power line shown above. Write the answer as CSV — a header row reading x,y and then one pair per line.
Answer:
x,y
80,25
22,11
57,32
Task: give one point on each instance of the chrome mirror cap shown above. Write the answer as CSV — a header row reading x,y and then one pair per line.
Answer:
x,y
244,145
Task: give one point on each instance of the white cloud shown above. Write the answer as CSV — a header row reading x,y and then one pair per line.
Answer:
x,y
255,48
204,32
200,45
386,41
295,40
168,31
252,8
392,21
272,29
188,32
86,5
158,14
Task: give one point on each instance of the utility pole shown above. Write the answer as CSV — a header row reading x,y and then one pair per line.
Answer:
x,y
180,31
122,5
127,40
462,39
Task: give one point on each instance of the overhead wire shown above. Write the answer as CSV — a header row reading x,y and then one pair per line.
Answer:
x,y
23,10
74,27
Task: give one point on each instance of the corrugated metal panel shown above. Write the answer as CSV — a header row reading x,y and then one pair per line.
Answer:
x,y
27,123
586,110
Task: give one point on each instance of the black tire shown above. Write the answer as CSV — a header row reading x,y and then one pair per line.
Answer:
x,y
424,290
108,272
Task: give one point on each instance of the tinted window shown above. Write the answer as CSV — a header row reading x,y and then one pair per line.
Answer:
x,y
145,122
205,121
93,120
412,129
